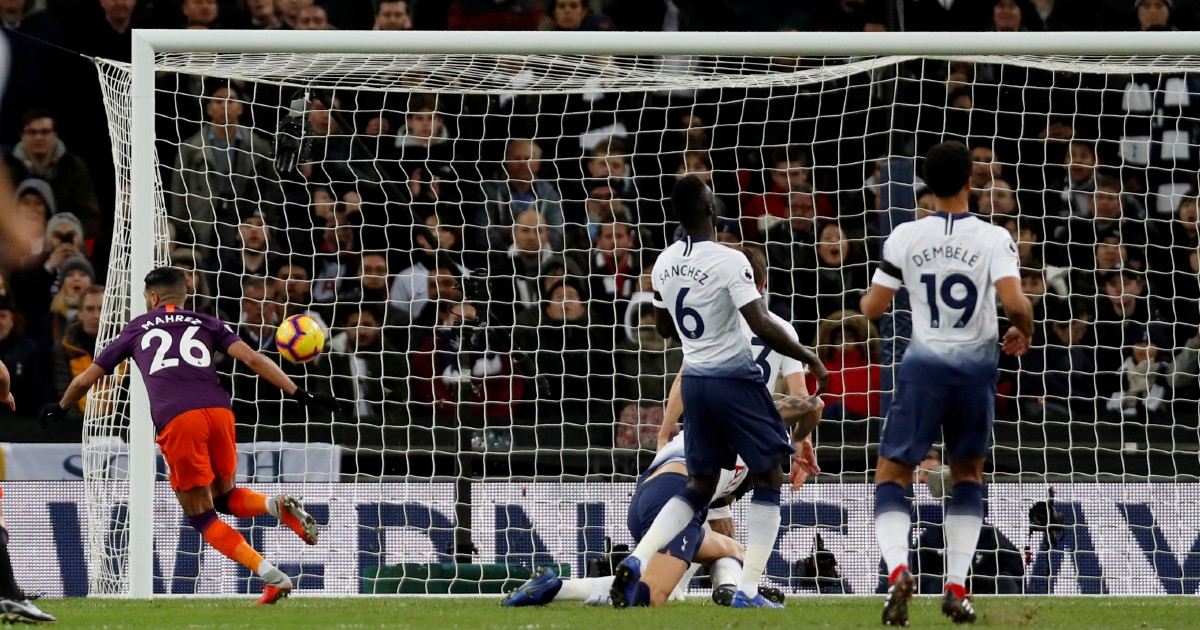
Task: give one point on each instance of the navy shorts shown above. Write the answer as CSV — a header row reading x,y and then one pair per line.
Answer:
x,y
649,499
727,417
920,411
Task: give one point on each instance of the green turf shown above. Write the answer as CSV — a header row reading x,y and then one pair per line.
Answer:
x,y
446,614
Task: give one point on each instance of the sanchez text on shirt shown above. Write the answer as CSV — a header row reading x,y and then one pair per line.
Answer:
x,y
684,271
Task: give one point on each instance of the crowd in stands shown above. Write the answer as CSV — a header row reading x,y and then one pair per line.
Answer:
x,y
488,257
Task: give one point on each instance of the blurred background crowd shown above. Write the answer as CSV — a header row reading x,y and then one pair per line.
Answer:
x,y
484,260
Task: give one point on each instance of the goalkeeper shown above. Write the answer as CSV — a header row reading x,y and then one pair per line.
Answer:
x,y
173,349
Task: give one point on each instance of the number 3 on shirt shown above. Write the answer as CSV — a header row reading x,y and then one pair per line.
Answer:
x,y
683,312
966,303
193,351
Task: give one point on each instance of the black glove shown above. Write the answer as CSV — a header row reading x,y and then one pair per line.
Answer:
x,y
51,412
290,147
308,399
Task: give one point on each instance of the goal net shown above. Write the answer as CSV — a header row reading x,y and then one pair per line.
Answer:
x,y
476,231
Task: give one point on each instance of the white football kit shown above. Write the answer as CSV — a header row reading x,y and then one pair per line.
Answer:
x,y
703,284
769,362
949,264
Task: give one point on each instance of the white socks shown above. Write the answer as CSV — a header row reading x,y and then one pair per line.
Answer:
x,y
272,575
962,536
726,572
590,591
762,526
273,506
671,519
892,530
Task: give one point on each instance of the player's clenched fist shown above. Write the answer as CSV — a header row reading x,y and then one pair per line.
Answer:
x,y
51,412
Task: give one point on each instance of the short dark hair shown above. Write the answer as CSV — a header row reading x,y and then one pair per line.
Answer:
x,y
422,102
166,281
947,168
692,201
1108,182
211,92
37,114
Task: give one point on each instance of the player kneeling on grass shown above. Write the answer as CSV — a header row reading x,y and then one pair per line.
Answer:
x,y
704,541
173,349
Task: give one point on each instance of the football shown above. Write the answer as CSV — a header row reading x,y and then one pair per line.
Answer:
x,y
300,339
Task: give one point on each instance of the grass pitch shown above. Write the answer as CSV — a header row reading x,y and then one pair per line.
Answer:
x,y
447,614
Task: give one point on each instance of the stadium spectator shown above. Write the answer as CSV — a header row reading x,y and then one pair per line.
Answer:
x,y
948,15
201,13
646,366
263,15
255,321
458,377
199,289
251,256
37,284
569,352
837,279
1154,15
997,200
518,188
334,268
75,275
289,12
1123,312
1185,237
26,364
74,353
312,18
1061,373
366,369
789,173
573,15
609,162
848,345
515,272
613,272
35,203
41,154
1006,17
290,293
391,15
222,174
414,289
1079,182
1145,379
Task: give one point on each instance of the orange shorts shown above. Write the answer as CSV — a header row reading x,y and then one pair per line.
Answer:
x,y
199,446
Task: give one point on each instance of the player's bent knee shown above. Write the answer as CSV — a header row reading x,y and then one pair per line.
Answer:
x,y
221,504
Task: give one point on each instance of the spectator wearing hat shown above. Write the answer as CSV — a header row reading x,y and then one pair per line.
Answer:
x,y
24,360
41,154
75,352
38,283
35,202
74,277
1154,15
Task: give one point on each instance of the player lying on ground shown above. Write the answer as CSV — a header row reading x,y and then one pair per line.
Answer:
x,y
14,605
702,543
946,385
173,348
700,288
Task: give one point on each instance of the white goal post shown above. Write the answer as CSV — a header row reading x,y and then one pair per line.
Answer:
x,y
337,60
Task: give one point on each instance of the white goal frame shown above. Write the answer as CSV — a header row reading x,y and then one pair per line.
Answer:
x,y
148,43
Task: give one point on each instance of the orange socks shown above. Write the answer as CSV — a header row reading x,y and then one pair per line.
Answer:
x,y
225,539
245,503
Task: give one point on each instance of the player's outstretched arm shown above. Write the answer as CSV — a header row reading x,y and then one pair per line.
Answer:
x,y
77,389
777,338
267,369
1019,312
672,413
